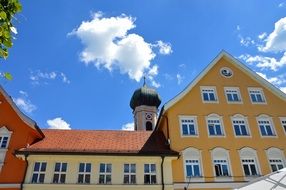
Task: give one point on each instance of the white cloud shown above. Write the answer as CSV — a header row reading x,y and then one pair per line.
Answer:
x,y
246,41
24,103
179,78
282,5
275,41
128,127
283,89
277,81
164,48
109,44
38,77
262,35
237,27
58,123
265,62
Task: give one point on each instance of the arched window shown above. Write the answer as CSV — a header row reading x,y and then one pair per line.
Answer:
x,y
221,162
275,158
192,164
240,126
149,126
215,125
249,161
266,126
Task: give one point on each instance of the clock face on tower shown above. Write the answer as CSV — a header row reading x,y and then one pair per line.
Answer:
x,y
148,116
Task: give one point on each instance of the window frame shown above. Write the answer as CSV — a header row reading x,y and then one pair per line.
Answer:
x,y
283,125
248,153
266,118
84,173
150,173
249,161
60,173
275,162
238,95
274,156
209,88
192,162
218,118
5,133
239,117
195,123
220,153
260,91
105,173
221,162
129,173
39,173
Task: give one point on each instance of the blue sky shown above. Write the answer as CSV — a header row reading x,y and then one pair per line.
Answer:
x,y
76,63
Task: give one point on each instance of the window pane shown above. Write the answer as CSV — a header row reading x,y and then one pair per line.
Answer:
x,y
43,167
243,129
80,178
133,168
87,178
185,129
211,130
235,97
280,166
218,130
37,167
212,96
268,129
196,170
229,97
205,96
259,98
88,167
64,167
63,178
42,177
35,178
225,170
146,168
126,168
81,167
237,131
108,168
253,169
133,179
108,179
57,167
101,178
217,170
102,168
56,178
147,179
246,169
262,129
273,167
153,179
253,98
153,168
189,170
126,179
192,129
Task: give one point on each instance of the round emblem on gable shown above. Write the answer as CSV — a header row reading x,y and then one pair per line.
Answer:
x,y
226,72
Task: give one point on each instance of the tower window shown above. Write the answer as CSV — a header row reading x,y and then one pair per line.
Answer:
x,y
149,126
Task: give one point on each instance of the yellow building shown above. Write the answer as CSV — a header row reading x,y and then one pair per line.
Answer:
x,y
229,125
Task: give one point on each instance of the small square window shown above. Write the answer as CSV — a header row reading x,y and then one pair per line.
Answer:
x,y
256,96
188,126
265,126
232,95
208,94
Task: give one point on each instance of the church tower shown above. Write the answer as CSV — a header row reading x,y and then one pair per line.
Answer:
x,y
144,103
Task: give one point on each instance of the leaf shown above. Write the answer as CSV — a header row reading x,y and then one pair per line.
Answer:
x,y
8,76
3,15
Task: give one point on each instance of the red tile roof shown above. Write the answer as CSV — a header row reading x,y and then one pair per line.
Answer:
x,y
101,142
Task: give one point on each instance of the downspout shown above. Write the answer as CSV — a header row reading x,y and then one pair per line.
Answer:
x,y
26,168
162,172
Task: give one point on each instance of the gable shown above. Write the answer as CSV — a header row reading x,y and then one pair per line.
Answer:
x,y
213,68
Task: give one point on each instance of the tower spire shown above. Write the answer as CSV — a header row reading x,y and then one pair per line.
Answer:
x,y
144,80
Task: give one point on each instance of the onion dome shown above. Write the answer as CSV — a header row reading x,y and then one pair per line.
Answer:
x,y
145,96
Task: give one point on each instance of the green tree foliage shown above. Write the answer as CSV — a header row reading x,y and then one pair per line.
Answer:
x,y
8,8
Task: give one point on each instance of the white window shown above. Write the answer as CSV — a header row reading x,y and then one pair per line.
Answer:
x,y
60,172
240,126
188,126
129,174
39,172
249,162
215,126
221,162
256,95
4,141
265,126
192,164
209,94
275,157
249,167
5,135
150,174
232,95
105,173
192,168
283,124
84,173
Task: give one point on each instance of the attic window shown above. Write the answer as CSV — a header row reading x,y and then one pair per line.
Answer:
x,y
226,72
